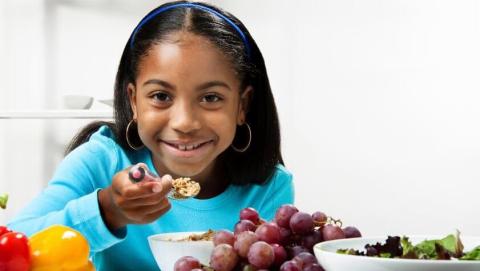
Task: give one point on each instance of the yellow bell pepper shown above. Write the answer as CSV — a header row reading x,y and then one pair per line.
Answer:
x,y
59,248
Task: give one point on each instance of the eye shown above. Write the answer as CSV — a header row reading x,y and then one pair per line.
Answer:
x,y
211,98
162,97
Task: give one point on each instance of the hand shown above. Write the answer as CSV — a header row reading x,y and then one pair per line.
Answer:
x,y
125,202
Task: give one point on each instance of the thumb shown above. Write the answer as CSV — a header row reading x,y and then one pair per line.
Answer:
x,y
165,184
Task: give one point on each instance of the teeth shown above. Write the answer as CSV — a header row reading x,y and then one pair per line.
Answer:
x,y
187,147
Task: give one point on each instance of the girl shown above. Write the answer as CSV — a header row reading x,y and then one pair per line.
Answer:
x,y
192,99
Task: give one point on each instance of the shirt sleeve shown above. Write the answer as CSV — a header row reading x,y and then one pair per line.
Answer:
x,y
280,191
71,196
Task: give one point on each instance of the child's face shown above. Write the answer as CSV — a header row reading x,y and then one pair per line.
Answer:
x,y
187,104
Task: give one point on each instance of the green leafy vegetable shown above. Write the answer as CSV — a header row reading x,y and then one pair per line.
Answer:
x,y
347,251
3,201
426,249
473,255
453,244
395,247
409,251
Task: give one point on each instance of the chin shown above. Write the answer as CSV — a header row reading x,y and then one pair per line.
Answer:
x,y
187,171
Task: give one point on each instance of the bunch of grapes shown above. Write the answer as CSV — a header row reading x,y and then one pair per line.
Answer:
x,y
285,244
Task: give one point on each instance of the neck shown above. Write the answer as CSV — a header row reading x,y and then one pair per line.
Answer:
x,y
211,184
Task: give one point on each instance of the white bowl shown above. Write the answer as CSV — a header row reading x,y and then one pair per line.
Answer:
x,y
108,102
332,261
167,250
77,101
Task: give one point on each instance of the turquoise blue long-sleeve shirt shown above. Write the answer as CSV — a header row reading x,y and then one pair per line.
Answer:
x,y
71,199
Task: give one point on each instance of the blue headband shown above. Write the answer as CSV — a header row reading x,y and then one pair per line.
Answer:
x,y
191,5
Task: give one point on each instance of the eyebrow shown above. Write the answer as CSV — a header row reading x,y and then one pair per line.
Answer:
x,y
203,86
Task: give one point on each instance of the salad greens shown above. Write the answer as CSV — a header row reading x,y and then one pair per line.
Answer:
x,y
3,201
400,247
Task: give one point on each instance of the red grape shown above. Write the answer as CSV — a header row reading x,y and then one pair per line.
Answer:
x,y
244,225
268,232
332,232
223,237
290,266
243,241
319,218
313,238
223,258
284,244
313,267
301,223
261,255
295,250
305,259
285,235
351,232
186,263
283,215
280,254
250,214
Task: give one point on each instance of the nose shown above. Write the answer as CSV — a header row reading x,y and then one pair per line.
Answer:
x,y
183,118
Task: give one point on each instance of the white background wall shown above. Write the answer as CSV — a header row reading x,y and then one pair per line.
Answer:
x,y
377,99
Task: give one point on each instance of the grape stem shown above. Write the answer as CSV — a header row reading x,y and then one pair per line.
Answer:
x,y
334,221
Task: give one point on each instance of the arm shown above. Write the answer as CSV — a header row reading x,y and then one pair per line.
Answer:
x,y
71,196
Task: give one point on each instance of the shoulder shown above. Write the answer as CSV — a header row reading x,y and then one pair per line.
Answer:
x,y
102,139
281,178
282,188
100,152
280,182
275,192
281,174
101,144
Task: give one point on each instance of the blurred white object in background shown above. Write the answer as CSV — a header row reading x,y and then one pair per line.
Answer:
x,y
108,102
74,101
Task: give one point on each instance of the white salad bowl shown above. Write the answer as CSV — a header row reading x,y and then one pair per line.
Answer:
x,y
332,261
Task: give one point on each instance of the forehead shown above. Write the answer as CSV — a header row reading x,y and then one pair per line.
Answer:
x,y
187,58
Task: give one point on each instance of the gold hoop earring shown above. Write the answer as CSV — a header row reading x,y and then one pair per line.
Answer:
x,y
249,141
136,148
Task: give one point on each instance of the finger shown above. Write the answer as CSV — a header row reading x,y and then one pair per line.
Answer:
x,y
140,191
154,216
164,204
164,186
123,187
153,199
156,213
139,214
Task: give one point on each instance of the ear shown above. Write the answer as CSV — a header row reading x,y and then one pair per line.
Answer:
x,y
245,100
132,96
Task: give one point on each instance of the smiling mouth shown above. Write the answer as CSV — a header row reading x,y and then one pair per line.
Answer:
x,y
187,147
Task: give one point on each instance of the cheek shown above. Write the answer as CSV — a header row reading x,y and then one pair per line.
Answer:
x,y
224,126
149,124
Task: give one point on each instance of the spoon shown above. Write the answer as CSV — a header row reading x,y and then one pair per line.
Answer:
x,y
182,188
